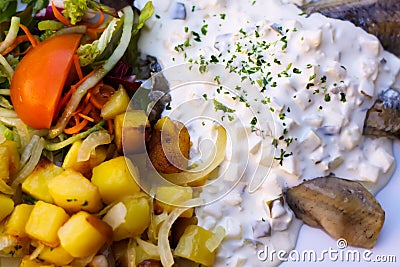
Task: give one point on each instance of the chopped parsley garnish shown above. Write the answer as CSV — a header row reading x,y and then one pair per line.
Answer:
x,y
219,106
204,29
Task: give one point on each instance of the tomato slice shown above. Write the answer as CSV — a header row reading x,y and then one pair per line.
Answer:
x,y
40,77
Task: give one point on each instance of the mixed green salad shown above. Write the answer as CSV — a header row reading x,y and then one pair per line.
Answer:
x,y
68,195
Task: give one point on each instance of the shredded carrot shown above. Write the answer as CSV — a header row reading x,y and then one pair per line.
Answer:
x,y
78,67
110,126
34,41
87,98
97,23
20,39
59,15
76,128
86,117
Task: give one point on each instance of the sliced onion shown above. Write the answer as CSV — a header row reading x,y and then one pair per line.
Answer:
x,y
109,206
131,253
31,164
164,248
28,150
8,113
91,142
201,171
11,35
215,240
149,248
116,215
5,188
156,220
7,68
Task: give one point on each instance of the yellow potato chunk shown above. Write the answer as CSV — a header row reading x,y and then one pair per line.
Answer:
x,y
132,130
16,223
73,192
137,218
85,167
57,256
192,246
84,234
36,184
6,206
117,104
44,222
115,180
169,197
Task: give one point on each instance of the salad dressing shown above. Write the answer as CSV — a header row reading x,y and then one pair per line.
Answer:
x,y
304,120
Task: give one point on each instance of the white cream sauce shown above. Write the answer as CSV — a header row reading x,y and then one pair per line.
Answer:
x,y
343,67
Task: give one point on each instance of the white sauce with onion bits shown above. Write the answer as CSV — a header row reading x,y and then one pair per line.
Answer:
x,y
292,92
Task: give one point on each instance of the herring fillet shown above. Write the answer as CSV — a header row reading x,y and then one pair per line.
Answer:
x,y
383,118
343,208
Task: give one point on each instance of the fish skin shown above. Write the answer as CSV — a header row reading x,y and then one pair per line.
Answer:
x,y
383,118
378,17
343,208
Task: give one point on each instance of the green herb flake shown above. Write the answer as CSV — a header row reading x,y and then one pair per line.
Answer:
x,y
196,36
219,106
327,98
343,97
204,29
296,71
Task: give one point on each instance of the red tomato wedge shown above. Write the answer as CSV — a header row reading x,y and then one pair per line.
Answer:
x,y
40,77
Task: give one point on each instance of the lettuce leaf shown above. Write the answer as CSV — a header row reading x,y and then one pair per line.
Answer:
x,y
89,52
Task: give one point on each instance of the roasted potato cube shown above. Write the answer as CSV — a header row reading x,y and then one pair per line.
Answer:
x,y
73,192
84,234
85,167
192,246
57,256
115,180
169,146
36,184
132,131
16,223
137,218
6,206
169,197
117,104
44,222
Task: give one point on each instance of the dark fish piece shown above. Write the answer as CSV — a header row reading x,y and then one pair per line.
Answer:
x,y
378,17
383,118
343,208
